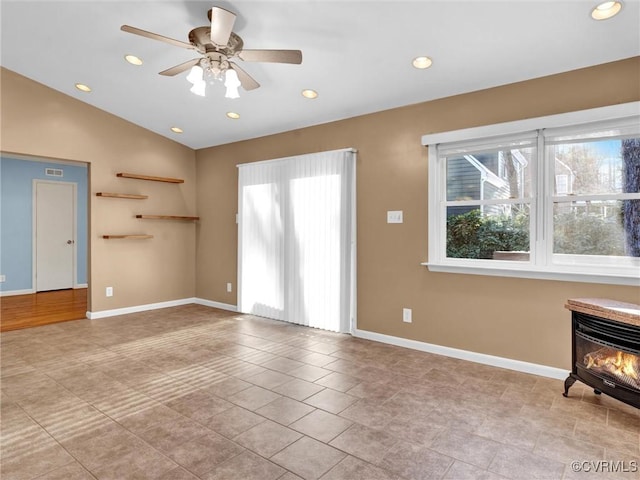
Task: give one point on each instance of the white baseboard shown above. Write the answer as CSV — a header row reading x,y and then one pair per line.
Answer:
x,y
10,293
139,308
156,306
29,291
211,303
508,363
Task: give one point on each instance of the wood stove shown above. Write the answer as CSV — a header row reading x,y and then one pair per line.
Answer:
x,y
606,348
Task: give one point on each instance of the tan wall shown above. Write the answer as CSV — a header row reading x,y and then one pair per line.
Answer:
x,y
484,314
514,318
38,121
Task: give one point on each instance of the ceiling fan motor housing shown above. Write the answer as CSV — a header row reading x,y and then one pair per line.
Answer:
x,y
201,38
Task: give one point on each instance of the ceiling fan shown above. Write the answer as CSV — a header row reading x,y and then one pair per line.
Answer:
x,y
219,45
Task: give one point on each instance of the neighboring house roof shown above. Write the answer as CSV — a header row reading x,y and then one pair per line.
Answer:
x,y
486,174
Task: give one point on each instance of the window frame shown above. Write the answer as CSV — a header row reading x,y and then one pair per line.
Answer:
x,y
541,264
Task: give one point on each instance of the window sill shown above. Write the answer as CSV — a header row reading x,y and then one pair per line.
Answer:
x,y
525,271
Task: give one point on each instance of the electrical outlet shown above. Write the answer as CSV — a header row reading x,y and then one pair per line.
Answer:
x,y
3,278
406,315
229,287
109,292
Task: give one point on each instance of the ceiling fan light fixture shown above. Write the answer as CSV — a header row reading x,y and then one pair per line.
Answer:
x,y
133,60
232,83
233,115
309,93
196,78
199,88
83,88
422,62
606,10
213,72
196,75
176,130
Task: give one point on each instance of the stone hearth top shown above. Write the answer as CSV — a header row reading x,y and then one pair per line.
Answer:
x,y
622,312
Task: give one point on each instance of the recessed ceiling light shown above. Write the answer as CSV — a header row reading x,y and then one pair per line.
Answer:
x,y
422,62
133,60
309,93
606,10
233,115
176,130
83,88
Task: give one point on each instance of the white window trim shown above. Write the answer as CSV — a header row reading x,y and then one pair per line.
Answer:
x,y
623,275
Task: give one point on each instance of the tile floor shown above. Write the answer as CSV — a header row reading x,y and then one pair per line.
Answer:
x,y
192,392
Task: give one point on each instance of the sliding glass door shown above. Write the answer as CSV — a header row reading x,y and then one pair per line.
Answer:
x,y
297,239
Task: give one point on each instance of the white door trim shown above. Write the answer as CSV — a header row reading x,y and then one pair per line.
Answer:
x,y
74,185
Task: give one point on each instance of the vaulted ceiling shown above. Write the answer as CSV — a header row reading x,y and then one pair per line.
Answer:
x,y
356,54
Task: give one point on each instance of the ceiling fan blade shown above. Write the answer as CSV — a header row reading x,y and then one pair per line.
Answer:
x,y
222,22
170,72
247,81
155,36
275,56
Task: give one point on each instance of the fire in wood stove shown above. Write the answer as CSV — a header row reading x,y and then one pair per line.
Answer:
x,y
620,366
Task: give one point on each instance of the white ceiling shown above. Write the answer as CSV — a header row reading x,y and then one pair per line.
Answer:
x,y
356,54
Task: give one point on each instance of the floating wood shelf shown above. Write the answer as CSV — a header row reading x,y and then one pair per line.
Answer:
x,y
135,237
167,217
147,177
122,195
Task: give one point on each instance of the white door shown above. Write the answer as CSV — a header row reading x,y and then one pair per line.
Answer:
x,y
54,235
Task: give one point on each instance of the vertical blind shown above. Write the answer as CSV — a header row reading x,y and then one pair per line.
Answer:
x,y
297,239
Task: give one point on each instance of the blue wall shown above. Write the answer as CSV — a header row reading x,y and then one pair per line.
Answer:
x,y
16,218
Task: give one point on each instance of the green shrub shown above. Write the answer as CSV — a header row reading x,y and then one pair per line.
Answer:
x,y
470,235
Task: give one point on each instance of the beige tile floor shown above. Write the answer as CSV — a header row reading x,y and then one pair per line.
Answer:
x,y
192,392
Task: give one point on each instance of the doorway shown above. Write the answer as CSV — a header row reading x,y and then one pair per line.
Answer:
x,y
44,237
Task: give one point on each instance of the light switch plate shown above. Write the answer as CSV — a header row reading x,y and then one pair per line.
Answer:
x,y
394,216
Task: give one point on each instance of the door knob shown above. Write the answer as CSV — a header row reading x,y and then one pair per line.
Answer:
x,y
70,242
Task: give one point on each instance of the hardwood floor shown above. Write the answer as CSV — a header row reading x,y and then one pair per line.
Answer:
x,y
24,311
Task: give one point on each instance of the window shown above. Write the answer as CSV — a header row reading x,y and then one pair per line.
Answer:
x,y
555,197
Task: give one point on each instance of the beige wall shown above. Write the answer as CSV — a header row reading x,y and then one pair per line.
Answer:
x,y
515,318
40,122
483,314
